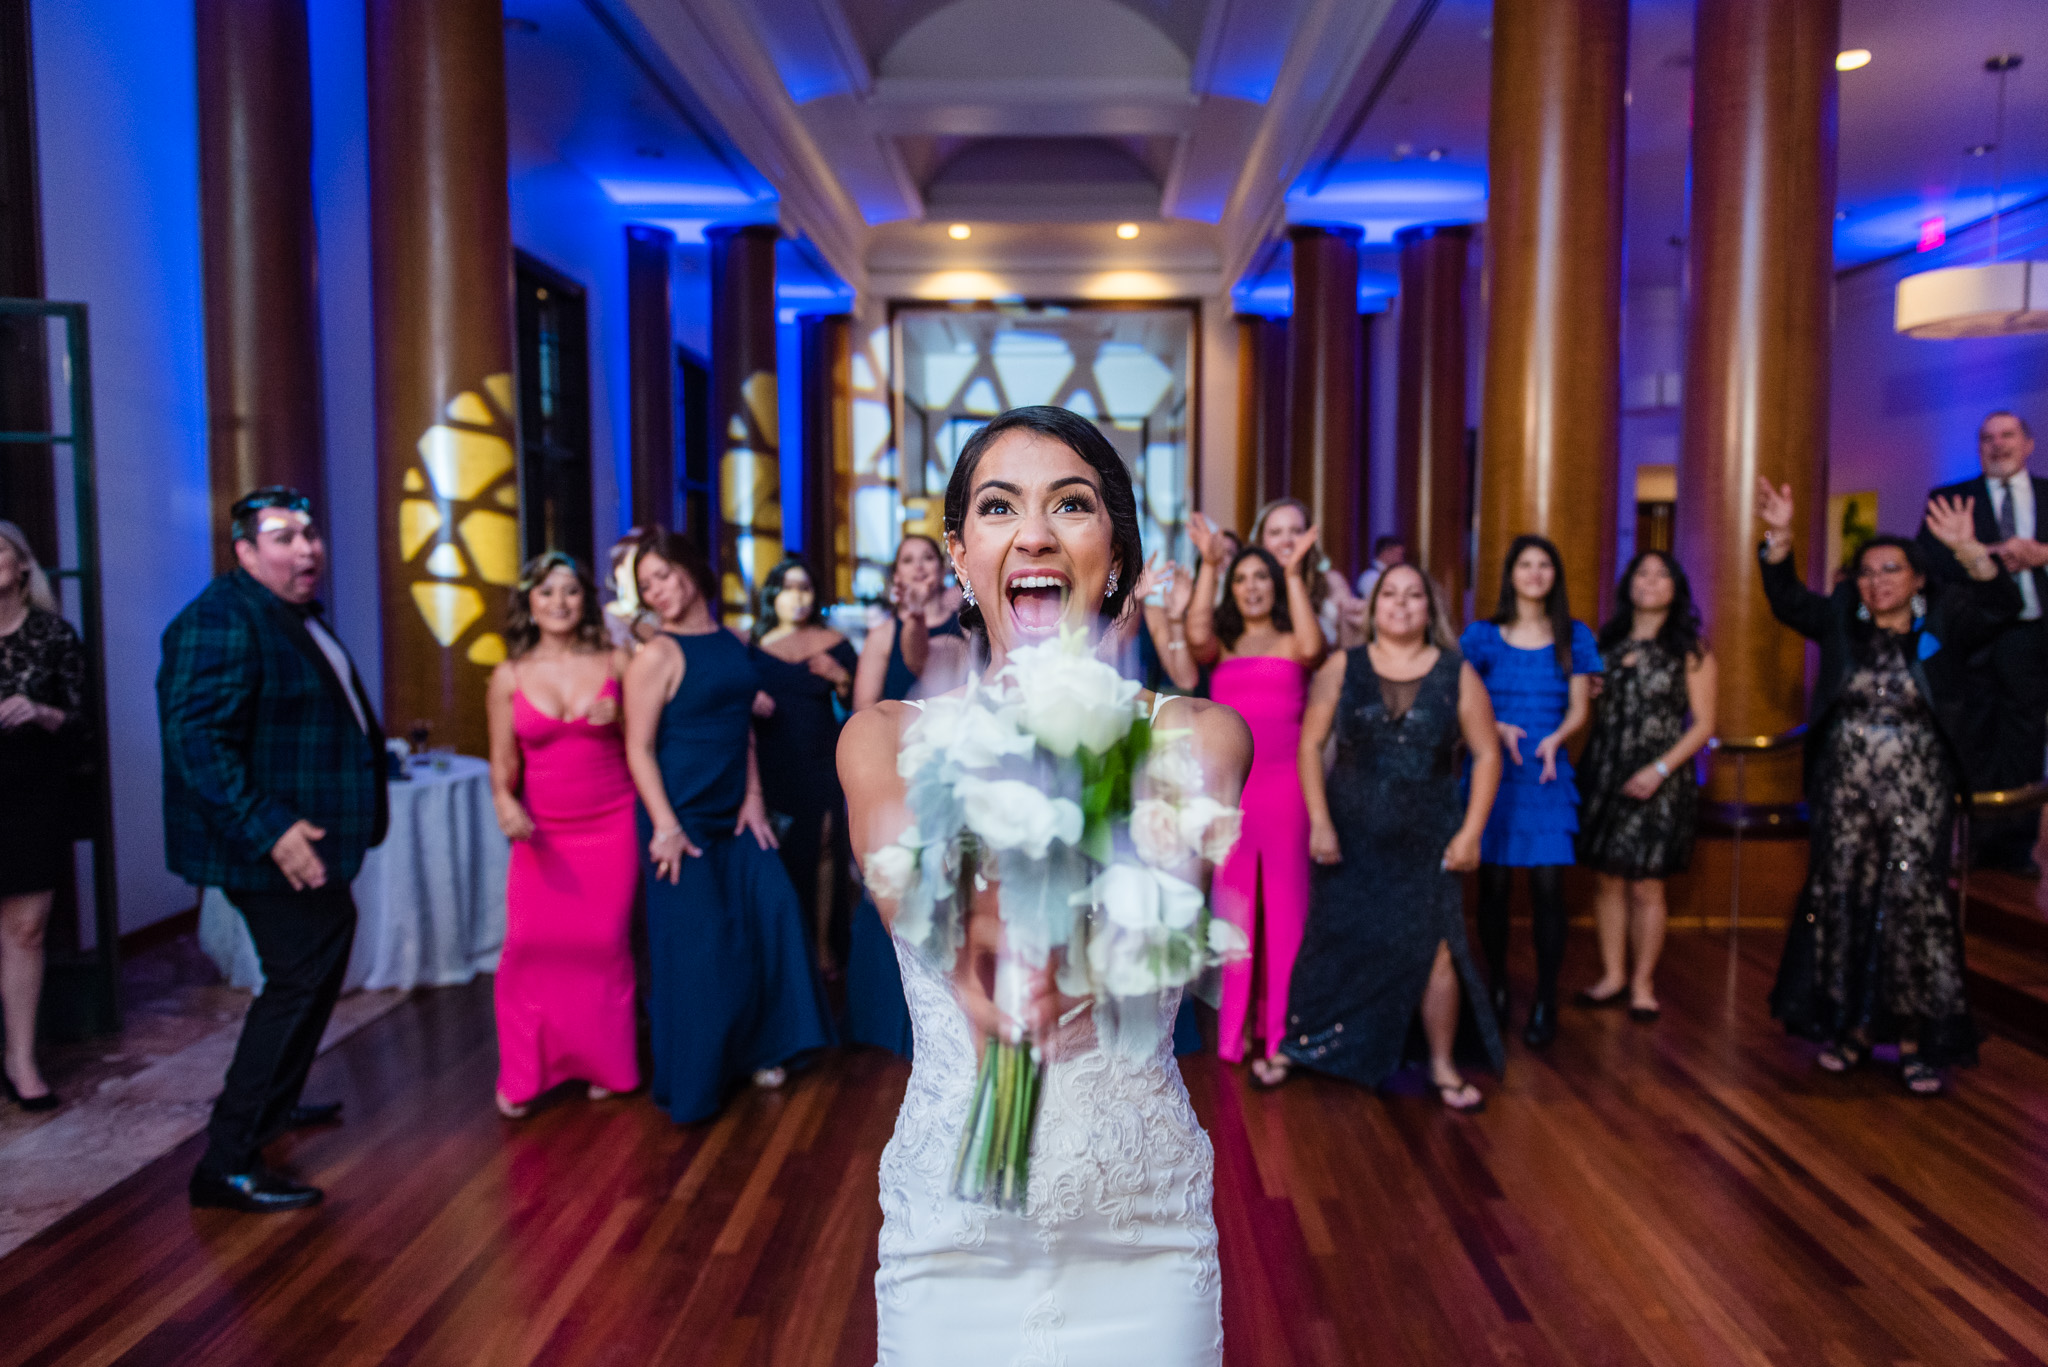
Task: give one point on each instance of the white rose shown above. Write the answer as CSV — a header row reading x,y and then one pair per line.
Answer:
x,y
1139,899
1172,769
1121,964
1006,814
890,871
1226,941
1209,827
1158,831
973,732
1069,701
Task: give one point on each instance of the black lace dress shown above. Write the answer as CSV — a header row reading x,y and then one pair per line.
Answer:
x,y
1376,918
1641,715
39,795
1875,947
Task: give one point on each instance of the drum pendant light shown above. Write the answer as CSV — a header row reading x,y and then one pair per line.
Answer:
x,y
1992,299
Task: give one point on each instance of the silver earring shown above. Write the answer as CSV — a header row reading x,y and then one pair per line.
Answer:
x,y
1863,612
1110,590
1919,606
966,593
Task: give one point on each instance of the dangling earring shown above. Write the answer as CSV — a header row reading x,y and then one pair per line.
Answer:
x,y
1110,590
1919,606
966,593
1863,612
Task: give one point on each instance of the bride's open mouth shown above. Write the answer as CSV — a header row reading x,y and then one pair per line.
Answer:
x,y
1038,599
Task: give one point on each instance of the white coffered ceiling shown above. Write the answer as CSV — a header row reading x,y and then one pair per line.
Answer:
x,y
1088,112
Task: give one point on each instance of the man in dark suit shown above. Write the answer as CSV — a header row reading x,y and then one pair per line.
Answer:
x,y
273,790
2008,696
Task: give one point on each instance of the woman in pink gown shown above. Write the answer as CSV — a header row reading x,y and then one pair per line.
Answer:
x,y
565,799
1265,642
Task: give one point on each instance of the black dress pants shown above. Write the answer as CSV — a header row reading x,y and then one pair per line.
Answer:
x,y
302,941
2009,730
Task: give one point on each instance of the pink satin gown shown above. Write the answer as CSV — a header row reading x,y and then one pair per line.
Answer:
x,y
565,981
1263,886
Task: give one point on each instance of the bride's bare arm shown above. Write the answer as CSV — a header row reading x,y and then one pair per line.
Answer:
x,y
876,813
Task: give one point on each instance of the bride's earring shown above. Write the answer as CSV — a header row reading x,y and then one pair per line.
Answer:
x,y
1109,591
967,593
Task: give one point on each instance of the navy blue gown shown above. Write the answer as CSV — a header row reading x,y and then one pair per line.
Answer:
x,y
732,987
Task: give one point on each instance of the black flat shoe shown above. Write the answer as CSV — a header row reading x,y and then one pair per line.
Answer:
x,y
1586,999
319,1113
257,1192
46,1102
1542,1027
1644,1015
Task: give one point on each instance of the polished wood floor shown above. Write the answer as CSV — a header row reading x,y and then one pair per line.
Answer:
x,y
1689,1192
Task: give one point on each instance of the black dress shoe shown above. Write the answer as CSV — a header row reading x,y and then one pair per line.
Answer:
x,y
256,1192
46,1102
1542,1027
319,1113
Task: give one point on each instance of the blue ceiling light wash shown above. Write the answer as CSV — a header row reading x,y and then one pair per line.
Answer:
x,y
1874,229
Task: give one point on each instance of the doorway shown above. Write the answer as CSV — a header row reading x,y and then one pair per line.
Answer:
x,y
554,412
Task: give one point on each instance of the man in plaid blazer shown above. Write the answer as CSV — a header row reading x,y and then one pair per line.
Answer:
x,y
273,791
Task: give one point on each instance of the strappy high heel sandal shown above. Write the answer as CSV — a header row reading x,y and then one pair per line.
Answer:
x,y
1842,1057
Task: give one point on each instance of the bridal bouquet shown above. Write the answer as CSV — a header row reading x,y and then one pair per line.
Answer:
x,y
1050,783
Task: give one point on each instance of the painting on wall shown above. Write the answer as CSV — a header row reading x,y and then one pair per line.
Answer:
x,y
1852,521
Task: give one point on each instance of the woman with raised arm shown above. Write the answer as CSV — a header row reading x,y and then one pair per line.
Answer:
x,y
1875,953
1113,1259
1339,611
1535,661
1386,927
1263,640
564,988
1638,799
732,992
919,647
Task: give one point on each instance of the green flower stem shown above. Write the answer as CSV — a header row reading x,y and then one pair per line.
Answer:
x,y
976,1114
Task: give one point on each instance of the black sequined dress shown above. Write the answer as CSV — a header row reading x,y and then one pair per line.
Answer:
x,y
1375,919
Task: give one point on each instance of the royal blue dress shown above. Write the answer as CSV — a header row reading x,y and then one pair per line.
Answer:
x,y
1532,823
732,987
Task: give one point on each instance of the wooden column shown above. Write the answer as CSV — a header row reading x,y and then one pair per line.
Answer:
x,y
1550,418
1429,411
256,213
651,373
28,488
828,453
1262,403
746,439
441,287
1325,379
1756,379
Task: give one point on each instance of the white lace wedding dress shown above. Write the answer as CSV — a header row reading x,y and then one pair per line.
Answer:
x,y
1112,1263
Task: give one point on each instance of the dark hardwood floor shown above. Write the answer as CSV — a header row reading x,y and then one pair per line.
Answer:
x,y
1689,1192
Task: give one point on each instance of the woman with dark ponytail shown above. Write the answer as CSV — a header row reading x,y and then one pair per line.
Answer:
x,y
1535,661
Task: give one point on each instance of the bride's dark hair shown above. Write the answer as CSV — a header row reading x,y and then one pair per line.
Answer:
x,y
1085,440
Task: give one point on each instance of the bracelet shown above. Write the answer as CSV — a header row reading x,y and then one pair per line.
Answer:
x,y
1176,645
1663,769
665,834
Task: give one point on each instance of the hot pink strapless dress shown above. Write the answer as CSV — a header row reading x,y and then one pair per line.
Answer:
x,y
1263,886
565,981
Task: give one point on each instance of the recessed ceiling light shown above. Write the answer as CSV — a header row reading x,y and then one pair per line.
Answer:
x,y
1853,58
1127,231
1982,149
959,232
1437,153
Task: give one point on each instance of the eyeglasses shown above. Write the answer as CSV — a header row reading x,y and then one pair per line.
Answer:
x,y
1873,571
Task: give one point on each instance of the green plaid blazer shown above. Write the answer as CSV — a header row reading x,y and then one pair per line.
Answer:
x,y
257,734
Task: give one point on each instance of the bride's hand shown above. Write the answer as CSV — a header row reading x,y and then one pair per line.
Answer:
x,y
974,983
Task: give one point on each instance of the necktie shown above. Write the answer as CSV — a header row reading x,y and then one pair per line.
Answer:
x,y
2007,527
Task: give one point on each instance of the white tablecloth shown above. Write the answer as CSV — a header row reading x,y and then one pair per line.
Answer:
x,y
430,900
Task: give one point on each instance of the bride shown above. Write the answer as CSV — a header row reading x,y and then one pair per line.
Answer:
x,y
1113,1260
